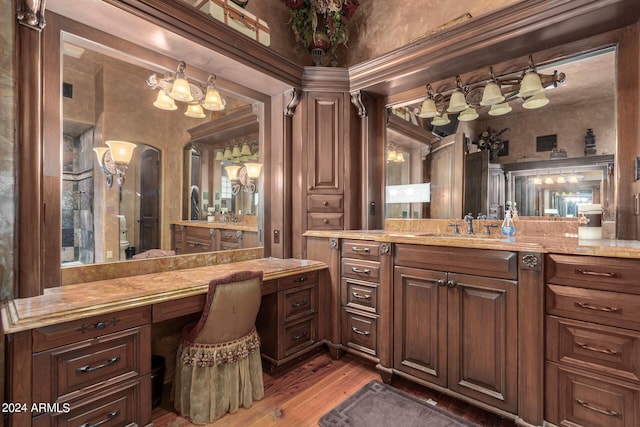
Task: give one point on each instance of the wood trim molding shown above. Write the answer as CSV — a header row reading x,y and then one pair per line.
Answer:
x,y
242,121
290,108
325,79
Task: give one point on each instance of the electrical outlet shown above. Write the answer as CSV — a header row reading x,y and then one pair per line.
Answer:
x,y
109,254
276,236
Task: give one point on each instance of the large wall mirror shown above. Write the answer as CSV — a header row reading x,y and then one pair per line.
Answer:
x,y
111,211
456,163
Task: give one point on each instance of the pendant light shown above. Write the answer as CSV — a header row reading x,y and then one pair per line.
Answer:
x,y
457,102
428,108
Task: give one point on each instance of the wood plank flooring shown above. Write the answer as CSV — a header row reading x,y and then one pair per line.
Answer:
x,y
300,395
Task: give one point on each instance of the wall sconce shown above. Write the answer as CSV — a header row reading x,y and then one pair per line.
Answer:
x,y
115,159
179,88
495,92
394,155
243,177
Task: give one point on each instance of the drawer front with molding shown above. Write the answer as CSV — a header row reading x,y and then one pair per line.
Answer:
x,y
200,233
295,280
359,294
609,274
229,246
91,327
325,221
230,235
298,335
614,351
325,203
298,302
195,246
578,398
360,331
90,364
361,269
361,249
608,308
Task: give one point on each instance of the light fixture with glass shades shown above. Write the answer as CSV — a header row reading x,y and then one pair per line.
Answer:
x,y
243,177
178,87
495,93
114,159
394,155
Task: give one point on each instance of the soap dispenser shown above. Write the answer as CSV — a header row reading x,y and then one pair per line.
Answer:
x,y
508,227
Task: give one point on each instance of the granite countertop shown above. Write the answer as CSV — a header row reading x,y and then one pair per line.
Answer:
x,y
83,300
562,244
218,224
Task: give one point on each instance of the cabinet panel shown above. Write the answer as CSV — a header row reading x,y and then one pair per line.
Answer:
x,y
361,269
325,203
325,221
482,342
610,274
614,351
298,335
359,295
361,250
360,331
298,302
325,156
420,324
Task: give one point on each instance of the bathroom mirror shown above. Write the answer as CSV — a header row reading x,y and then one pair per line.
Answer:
x,y
534,137
106,98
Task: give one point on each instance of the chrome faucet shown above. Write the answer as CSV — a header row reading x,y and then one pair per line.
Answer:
x,y
468,218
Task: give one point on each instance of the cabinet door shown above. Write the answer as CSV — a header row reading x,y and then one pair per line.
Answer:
x,y
482,319
420,324
326,124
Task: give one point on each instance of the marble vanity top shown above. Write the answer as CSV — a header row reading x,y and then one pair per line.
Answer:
x,y
87,299
563,244
228,225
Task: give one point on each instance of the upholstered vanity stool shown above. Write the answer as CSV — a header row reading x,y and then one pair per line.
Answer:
x,y
218,366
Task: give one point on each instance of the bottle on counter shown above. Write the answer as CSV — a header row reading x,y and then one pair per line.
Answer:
x,y
508,227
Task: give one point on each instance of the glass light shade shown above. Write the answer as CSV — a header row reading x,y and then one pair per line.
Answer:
x,y
468,115
561,179
195,111
246,151
500,109
235,160
573,178
548,180
253,170
219,155
530,85
212,100
121,151
537,180
428,108
164,102
254,156
457,102
227,154
492,94
232,172
391,156
536,101
441,120
244,158
100,154
236,151
181,91
399,157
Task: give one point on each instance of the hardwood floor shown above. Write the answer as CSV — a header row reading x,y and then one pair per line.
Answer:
x,y
300,395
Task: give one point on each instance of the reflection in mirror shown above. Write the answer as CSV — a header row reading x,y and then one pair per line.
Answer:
x,y
106,98
575,121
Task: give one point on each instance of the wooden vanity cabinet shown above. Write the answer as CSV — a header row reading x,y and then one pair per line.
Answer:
x,y
455,321
288,319
192,239
592,351
229,239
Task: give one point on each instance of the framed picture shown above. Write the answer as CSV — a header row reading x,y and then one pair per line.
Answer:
x,y
505,149
546,142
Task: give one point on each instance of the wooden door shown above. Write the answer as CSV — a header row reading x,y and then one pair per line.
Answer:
x,y
420,324
149,201
476,180
447,158
483,347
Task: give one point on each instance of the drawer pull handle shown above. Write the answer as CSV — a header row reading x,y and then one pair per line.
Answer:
x,y
358,296
356,249
609,412
326,221
111,415
300,279
297,337
228,235
359,332
300,304
89,368
596,349
359,270
595,273
593,307
98,326
325,203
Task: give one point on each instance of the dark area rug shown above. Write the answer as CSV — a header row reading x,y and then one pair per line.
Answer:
x,y
378,404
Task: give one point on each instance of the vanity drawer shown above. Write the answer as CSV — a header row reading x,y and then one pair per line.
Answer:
x,y
200,233
325,203
610,274
195,246
359,294
325,221
361,249
361,269
230,235
122,405
577,398
298,302
607,308
91,327
614,351
359,331
298,335
86,366
228,246
296,280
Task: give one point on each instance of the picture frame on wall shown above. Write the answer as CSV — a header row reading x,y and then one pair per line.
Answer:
x,y
546,142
